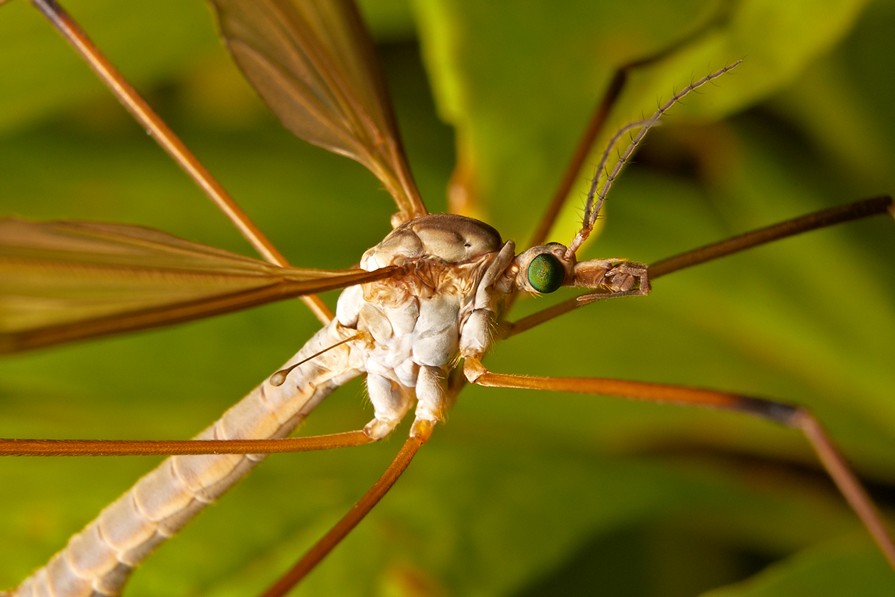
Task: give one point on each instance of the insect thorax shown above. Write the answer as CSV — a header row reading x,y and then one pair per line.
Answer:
x,y
418,319
419,314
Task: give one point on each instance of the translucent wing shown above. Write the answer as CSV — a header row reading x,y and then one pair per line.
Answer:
x,y
313,63
63,281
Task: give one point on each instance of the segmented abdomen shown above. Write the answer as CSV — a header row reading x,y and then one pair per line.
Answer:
x,y
98,560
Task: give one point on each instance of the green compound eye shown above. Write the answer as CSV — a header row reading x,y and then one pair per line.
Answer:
x,y
545,273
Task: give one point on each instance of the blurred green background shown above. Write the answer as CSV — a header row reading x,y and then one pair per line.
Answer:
x,y
521,493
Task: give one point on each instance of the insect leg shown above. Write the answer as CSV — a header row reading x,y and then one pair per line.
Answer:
x,y
420,434
84,447
432,398
778,412
168,141
813,221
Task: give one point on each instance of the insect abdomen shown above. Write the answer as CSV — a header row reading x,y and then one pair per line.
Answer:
x,y
98,560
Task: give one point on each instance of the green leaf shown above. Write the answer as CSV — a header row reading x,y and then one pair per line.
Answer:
x,y
148,55
545,65
838,568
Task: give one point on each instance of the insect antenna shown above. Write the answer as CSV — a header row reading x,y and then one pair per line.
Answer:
x,y
597,194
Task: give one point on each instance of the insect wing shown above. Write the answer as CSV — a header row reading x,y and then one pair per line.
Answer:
x,y
313,64
63,281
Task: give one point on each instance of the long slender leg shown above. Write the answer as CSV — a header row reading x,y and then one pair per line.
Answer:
x,y
102,447
813,221
168,141
778,412
420,432
419,435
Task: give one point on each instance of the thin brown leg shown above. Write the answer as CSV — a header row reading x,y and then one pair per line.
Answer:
x,y
813,221
778,412
168,141
420,434
85,447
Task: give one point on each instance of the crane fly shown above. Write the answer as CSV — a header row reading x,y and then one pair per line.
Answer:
x,y
571,444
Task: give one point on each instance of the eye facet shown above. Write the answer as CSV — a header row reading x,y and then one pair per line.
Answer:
x,y
545,273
